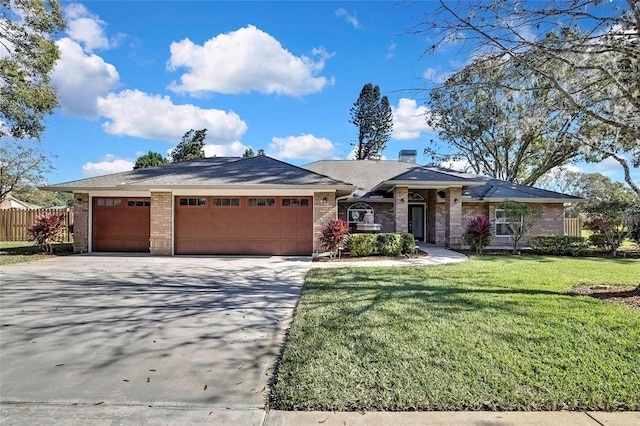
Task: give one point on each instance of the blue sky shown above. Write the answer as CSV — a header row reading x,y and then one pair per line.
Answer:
x,y
134,76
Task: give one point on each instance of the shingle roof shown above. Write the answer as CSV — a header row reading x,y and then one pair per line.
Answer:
x,y
499,190
215,171
367,175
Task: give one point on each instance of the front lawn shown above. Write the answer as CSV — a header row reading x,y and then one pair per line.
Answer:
x,y
24,251
494,333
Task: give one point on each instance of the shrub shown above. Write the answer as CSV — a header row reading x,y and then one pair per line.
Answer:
x,y
478,233
408,242
389,244
334,235
362,245
559,245
599,241
46,231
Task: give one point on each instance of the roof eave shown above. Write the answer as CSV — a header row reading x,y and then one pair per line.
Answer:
x,y
540,200
423,184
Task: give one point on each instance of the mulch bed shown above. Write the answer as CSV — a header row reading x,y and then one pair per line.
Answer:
x,y
629,296
346,257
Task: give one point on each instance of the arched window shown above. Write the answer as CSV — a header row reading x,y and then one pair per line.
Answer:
x,y
414,196
356,212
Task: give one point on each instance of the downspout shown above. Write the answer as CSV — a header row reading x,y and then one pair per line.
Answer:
x,y
338,199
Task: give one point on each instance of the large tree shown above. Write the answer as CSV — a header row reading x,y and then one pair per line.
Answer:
x,y
150,159
595,188
584,53
27,56
21,164
373,117
191,146
501,132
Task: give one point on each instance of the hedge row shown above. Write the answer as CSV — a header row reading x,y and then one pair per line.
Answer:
x,y
559,245
385,244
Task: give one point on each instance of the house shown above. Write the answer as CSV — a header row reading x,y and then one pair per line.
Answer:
x,y
10,202
263,206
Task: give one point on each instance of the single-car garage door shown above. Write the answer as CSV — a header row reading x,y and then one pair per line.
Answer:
x,y
244,225
121,224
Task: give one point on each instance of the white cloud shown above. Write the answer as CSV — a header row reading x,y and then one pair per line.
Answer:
x,y
435,75
135,113
391,50
80,79
87,28
235,149
351,18
109,164
459,165
409,120
243,61
307,147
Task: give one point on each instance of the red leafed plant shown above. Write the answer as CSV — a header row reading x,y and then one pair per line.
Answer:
x,y
334,235
46,231
478,233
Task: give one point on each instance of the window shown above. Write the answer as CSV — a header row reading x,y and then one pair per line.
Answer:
x,y
356,212
503,223
295,202
138,202
226,202
262,202
193,202
109,202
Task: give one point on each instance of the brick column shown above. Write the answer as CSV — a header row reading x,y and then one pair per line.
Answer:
x,y
323,213
453,217
80,223
161,224
401,208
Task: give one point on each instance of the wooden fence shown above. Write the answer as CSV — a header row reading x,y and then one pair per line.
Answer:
x,y
573,226
14,223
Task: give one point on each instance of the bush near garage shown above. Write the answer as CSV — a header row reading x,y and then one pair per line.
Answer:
x,y
385,244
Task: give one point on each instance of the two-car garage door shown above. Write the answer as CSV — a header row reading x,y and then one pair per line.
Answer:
x,y
243,225
209,225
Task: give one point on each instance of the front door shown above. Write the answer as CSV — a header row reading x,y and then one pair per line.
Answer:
x,y
416,221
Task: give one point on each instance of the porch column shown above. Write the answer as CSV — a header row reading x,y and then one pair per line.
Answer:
x,y
324,211
80,223
453,217
161,224
401,208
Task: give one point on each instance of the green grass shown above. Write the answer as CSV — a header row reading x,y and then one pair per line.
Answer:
x,y
494,333
24,251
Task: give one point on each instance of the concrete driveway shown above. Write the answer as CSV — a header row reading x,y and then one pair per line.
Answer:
x,y
197,332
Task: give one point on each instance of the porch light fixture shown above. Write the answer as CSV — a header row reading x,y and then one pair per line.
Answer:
x,y
324,200
455,201
402,200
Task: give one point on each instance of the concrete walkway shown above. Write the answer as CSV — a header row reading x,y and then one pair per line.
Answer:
x,y
29,414
437,255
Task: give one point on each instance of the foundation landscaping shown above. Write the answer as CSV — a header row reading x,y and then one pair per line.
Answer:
x,y
493,333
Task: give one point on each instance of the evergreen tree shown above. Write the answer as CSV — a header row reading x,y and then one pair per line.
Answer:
x,y
150,159
191,146
373,117
28,53
248,153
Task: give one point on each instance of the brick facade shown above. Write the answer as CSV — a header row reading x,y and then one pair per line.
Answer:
x,y
80,223
161,224
551,222
453,218
401,208
324,211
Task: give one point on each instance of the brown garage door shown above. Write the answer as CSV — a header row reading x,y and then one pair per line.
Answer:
x,y
121,224
244,225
